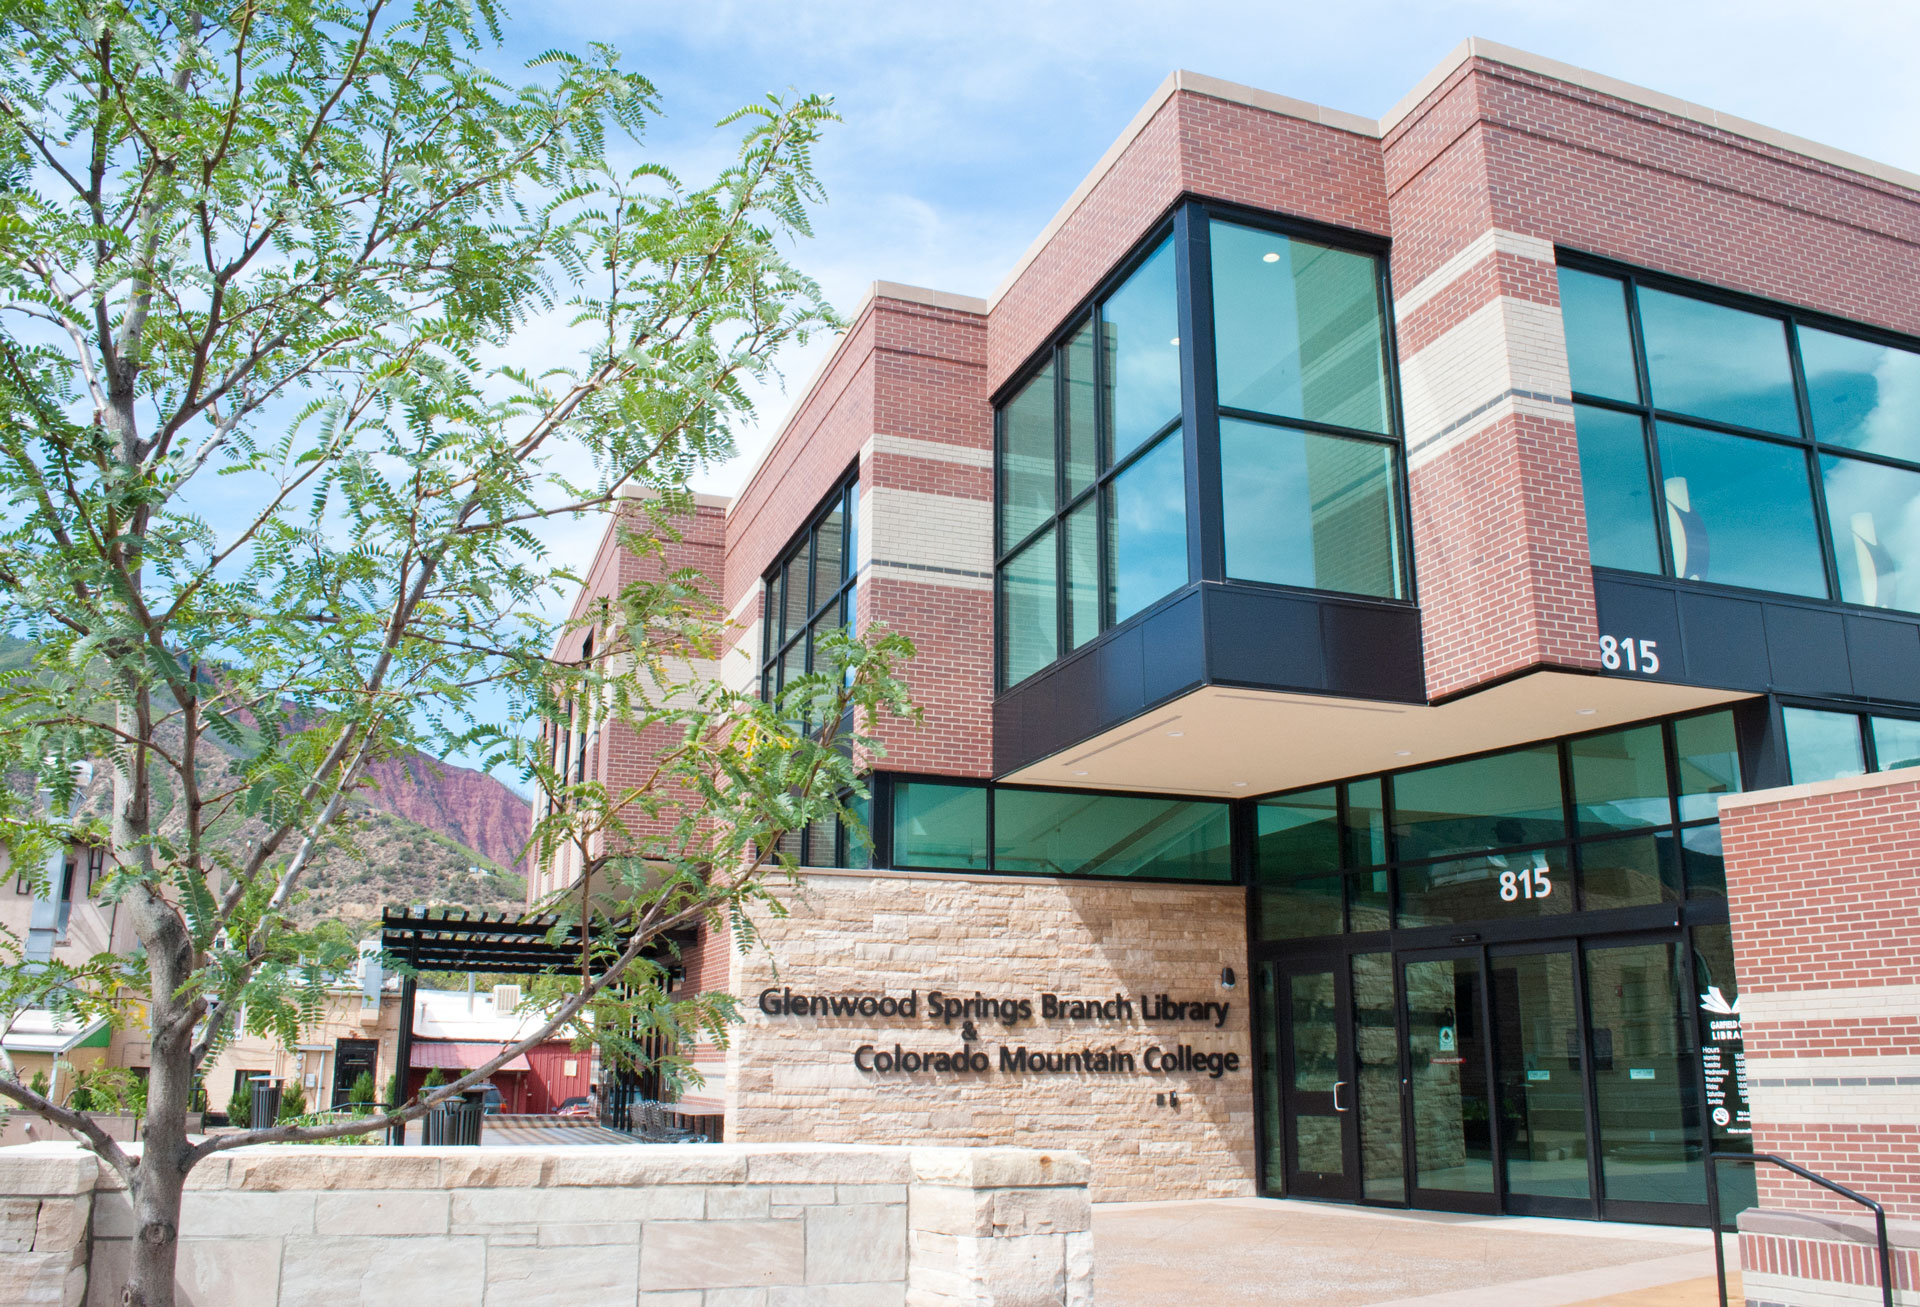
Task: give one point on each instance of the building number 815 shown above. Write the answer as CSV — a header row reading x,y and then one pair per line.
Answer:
x,y
1641,656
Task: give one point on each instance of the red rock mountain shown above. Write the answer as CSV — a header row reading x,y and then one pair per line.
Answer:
x,y
463,804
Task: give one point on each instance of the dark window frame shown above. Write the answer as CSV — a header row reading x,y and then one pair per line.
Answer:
x,y
1811,447
1863,722
803,546
1185,226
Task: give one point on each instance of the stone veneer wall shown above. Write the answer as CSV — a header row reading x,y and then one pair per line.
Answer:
x,y
892,933
715,1225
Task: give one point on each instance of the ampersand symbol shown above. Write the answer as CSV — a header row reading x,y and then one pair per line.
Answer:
x,y
967,1032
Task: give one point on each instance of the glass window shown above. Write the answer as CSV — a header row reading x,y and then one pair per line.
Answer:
x,y
1485,886
1309,510
1029,616
1709,757
1620,780
1447,1061
1083,574
1896,743
1147,528
1298,833
1599,344
1083,433
1366,823
940,825
810,591
1863,395
1874,512
1629,873
1716,362
1026,460
829,556
1644,1081
1494,802
1297,329
1703,862
1141,322
1740,512
1822,746
1619,497
1057,833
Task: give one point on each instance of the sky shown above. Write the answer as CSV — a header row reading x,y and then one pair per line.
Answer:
x,y
966,126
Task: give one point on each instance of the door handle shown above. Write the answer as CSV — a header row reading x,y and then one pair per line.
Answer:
x,y
1338,1085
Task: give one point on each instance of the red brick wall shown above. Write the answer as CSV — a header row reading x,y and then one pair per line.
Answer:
x,y
1824,888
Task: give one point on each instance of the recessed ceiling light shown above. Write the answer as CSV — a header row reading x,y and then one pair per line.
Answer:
x,y
1271,256
1239,785
1585,712
1174,735
1403,753
1079,773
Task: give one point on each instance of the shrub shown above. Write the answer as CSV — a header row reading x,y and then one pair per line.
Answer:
x,y
39,1084
362,1092
240,1109
293,1102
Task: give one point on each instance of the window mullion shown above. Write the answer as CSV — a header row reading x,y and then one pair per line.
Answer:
x,y
1649,430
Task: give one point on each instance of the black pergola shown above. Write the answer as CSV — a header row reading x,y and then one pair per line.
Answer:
x,y
458,940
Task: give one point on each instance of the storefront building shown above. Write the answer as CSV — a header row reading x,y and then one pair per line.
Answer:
x,y
1362,573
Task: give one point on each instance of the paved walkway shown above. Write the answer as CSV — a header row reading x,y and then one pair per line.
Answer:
x,y
1259,1252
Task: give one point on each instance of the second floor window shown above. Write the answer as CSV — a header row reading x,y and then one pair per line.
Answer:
x,y
810,590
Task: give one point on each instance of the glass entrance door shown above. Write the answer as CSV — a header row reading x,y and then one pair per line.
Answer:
x,y
1318,1126
1540,1082
1448,1068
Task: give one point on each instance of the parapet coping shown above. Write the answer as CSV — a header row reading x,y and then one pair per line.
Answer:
x,y
1013,878
1839,1227
1471,48
1820,789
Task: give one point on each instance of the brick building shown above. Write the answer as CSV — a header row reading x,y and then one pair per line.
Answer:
x,y
1371,581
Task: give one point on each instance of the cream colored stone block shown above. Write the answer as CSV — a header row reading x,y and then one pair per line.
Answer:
x,y
951,1210
494,1168
228,1271
722,1254
370,1272
829,1165
382,1212
1042,1211
999,1168
735,1298
245,1215
34,1279
799,1195
839,1295
47,1170
850,1245
656,1164
870,1193
581,1274
106,1271
112,1215
475,1209
738,1202
287,1168
19,1218
673,1298
1080,1265
553,1235
61,1224
1023,1270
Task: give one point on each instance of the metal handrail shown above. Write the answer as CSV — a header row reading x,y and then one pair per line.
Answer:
x,y
1713,1215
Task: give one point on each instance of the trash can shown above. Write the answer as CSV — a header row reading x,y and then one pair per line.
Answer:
x,y
457,1121
265,1107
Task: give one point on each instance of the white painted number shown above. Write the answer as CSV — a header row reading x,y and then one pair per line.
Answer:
x,y
1527,883
1642,656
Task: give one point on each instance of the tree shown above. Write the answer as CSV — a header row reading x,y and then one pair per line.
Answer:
x,y
310,322
361,1094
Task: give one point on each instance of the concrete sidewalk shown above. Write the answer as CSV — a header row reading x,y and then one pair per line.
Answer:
x,y
1256,1252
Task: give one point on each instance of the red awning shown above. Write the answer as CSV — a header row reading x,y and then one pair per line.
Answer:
x,y
449,1056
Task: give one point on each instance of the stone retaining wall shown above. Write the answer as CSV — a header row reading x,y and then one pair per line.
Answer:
x,y
715,1225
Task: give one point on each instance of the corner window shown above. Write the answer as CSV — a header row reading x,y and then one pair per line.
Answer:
x,y
1825,746
1704,458
810,590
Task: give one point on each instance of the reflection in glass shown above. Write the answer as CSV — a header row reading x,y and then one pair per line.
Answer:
x,y
1309,510
1896,743
829,559
1716,362
1369,899
1083,574
1874,513
940,825
1297,329
1267,1084
1822,746
1383,1169
1542,1085
1141,326
1493,802
1446,1059
1740,512
1029,617
793,589
1082,433
1599,345
1709,757
1723,1063
1863,395
1617,489
1485,886
1703,863
1628,873
1643,1080
1048,833
1620,780
1297,866
1026,459
1147,528
1315,1029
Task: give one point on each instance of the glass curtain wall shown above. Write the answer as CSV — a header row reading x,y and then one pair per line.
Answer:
x,y
1742,446
1098,516
1825,746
